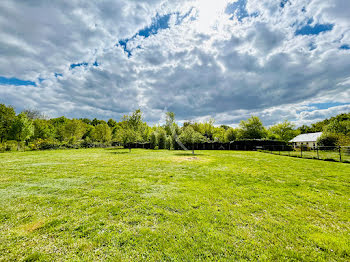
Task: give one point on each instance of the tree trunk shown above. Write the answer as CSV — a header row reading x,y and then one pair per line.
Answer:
x,y
192,149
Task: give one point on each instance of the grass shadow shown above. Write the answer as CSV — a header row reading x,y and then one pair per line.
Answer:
x,y
189,154
114,148
119,153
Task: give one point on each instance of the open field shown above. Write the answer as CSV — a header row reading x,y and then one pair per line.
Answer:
x,y
107,204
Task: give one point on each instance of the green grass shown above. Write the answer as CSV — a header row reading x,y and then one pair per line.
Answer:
x,y
329,155
103,204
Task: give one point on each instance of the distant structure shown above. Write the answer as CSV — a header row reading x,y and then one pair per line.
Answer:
x,y
309,140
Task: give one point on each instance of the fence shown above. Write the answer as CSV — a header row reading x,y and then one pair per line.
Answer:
x,y
248,145
327,153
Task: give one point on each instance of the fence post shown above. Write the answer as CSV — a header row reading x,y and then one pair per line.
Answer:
x,y
340,153
301,151
318,156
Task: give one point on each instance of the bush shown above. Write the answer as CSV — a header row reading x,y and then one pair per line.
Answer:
x,y
11,145
45,144
328,140
303,147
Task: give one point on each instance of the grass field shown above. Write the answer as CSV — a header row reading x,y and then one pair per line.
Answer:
x,y
108,204
329,155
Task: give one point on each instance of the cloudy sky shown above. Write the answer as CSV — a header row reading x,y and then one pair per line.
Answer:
x,y
282,59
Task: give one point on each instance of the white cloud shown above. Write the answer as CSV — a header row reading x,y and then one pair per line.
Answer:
x,y
206,66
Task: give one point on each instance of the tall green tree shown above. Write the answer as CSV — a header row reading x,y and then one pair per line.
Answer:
x,y
102,133
252,128
284,131
22,128
59,124
162,138
7,117
112,123
219,134
172,129
132,128
189,137
338,126
231,134
43,129
154,140
74,130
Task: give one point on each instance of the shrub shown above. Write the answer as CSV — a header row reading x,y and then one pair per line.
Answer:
x,y
45,144
328,140
11,145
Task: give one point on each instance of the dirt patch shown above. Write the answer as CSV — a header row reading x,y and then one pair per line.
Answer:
x,y
31,227
187,158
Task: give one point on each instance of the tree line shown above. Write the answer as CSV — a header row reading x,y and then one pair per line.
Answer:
x,y
31,129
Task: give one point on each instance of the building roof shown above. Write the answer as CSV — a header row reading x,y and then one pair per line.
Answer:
x,y
310,137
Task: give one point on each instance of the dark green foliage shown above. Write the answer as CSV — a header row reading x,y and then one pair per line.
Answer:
x,y
322,125
328,139
22,128
283,131
45,144
154,140
43,129
231,135
102,133
33,127
7,117
112,123
161,134
252,129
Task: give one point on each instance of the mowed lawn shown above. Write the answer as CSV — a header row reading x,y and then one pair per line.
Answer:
x,y
111,205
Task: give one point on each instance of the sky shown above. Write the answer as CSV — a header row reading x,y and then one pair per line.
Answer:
x,y
202,59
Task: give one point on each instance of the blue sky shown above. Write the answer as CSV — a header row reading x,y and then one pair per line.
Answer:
x,y
15,81
201,59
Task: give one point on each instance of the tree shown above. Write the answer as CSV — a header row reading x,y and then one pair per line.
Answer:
x,y
189,137
112,123
169,122
59,125
33,114
284,131
252,128
161,135
22,128
132,128
219,134
231,135
172,129
43,129
304,129
154,140
85,120
328,139
339,127
226,127
102,133
96,122
74,130
207,129
7,116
